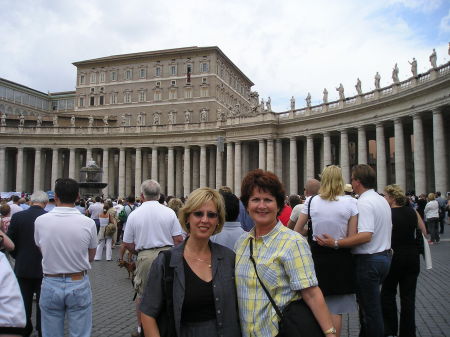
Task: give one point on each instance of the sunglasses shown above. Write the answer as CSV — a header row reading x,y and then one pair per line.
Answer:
x,y
201,214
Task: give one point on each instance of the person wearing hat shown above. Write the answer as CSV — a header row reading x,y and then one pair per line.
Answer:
x,y
348,190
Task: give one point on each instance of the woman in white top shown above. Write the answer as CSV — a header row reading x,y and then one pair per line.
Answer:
x,y
107,217
335,214
432,218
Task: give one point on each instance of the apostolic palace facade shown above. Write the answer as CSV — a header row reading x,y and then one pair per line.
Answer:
x,y
188,118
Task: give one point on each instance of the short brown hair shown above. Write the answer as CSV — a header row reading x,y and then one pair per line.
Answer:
x,y
265,181
5,209
365,174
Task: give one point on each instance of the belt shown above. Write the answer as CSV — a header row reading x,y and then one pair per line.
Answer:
x,y
80,273
384,252
154,248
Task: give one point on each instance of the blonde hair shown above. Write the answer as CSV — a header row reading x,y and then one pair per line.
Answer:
x,y
395,192
196,199
331,183
175,204
431,196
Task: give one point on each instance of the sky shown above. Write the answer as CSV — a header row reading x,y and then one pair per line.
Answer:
x,y
286,47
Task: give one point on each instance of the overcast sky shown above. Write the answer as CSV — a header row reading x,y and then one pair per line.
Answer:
x,y
286,47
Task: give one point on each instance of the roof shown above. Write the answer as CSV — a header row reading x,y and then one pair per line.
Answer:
x,y
162,53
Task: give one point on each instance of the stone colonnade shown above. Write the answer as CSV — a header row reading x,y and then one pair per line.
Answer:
x,y
295,158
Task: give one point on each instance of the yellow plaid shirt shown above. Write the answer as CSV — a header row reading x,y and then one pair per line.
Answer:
x,y
285,265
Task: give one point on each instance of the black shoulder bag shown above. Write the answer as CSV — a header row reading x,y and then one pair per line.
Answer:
x,y
310,231
297,319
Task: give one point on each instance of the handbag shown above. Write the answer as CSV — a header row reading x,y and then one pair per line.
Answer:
x,y
309,223
110,229
297,319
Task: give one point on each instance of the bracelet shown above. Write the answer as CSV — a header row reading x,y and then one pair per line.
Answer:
x,y
330,331
336,246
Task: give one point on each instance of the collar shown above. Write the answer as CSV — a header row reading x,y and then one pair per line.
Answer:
x,y
269,237
64,210
233,224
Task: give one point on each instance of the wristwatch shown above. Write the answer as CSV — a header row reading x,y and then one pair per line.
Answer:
x,y
330,331
336,245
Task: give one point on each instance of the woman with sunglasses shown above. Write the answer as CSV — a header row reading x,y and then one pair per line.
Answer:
x,y
203,292
282,261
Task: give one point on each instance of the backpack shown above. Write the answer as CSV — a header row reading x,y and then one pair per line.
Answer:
x,y
123,214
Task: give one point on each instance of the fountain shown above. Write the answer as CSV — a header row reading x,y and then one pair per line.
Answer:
x,y
90,180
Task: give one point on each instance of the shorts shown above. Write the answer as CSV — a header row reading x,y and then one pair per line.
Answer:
x,y
144,261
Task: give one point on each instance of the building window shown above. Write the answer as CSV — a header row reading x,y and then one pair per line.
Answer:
x,y
142,73
204,92
81,102
173,70
113,75
158,84
101,100
157,95
128,75
82,79
173,93
204,80
204,67
127,97
173,83
158,71
113,98
187,93
93,77
102,77
141,96
92,101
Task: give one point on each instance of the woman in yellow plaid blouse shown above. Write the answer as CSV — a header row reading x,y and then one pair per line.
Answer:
x,y
283,259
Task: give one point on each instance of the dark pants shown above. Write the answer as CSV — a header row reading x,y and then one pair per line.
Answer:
x,y
97,224
371,270
28,287
442,222
433,229
405,268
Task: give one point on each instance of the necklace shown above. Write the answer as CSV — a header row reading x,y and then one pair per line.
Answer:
x,y
198,259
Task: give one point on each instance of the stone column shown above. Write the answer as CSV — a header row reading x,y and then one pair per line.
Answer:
x,y
155,163
212,168
138,172
122,173
105,167
440,162
178,172
195,168
162,170
293,175
419,156
309,157
270,157
144,164
112,174
37,170
326,149
203,165
362,145
3,168
128,172
381,158
55,158
88,155
187,171
237,168
72,163
262,154
345,163
19,170
229,173
170,172
219,168
279,158
399,143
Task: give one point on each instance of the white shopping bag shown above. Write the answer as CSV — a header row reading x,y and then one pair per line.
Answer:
x,y
427,256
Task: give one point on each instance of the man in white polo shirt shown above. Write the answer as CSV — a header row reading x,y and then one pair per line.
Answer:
x,y
151,227
95,210
372,249
68,242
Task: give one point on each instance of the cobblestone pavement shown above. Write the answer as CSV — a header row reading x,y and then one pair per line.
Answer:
x,y
114,314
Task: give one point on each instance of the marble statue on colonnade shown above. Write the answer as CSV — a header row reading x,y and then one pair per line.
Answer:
x,y
3,119
55,121
156,118
39,121
105,120
358,86
395,74
377,80
413,64
308,100
91,121
340,89
187,116
433,59
140,119
262,105
172,117
72,121
269,104
203,115
292,103
21,120
325,96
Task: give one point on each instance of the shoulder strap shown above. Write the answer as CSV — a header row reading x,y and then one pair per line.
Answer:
x,y
275,306
310,230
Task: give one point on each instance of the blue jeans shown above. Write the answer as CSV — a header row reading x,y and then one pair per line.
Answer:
x,y
371,270
62,296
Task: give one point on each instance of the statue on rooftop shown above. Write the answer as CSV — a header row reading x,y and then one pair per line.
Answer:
x,y
377,80
72,121
340,89
308,100
325,96
433,59
269,104
395,74
413,64
292,103
358,86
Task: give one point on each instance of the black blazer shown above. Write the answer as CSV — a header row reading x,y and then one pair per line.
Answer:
x,y
27,254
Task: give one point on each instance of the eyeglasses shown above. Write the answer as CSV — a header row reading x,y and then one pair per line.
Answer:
x,y
201,214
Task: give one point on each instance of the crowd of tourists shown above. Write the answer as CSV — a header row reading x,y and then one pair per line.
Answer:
x,y
215,264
